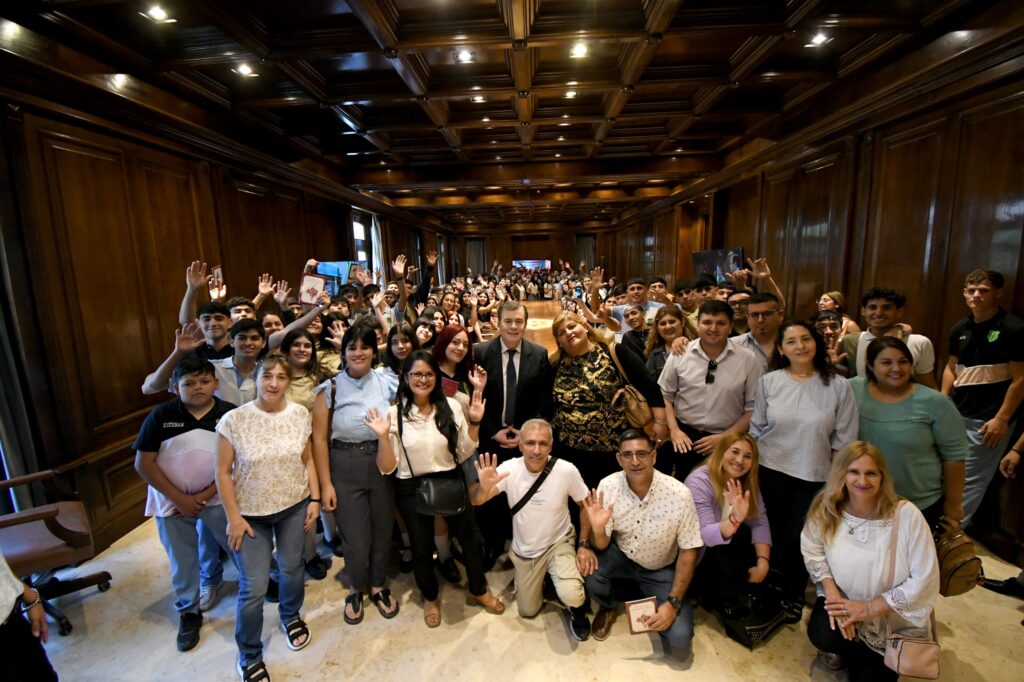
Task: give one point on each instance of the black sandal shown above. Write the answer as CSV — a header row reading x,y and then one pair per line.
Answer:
x,y
382,600
254,672
293,630
355,600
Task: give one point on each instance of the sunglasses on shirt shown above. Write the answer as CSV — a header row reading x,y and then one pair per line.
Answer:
x,y
709,378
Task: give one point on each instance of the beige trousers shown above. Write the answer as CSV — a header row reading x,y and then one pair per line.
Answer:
x,y
560,562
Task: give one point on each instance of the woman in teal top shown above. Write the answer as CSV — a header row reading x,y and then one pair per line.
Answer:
x,y
917,429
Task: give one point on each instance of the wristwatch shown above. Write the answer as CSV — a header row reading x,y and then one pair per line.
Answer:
x,y
676,602
585,544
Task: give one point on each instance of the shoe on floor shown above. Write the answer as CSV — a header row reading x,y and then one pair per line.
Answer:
x,y
602,626
335,546
273,594
1010,587
579,624
449,571
188,630
209,595
317,568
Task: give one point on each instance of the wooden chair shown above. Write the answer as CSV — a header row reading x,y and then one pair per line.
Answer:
x,y
38,541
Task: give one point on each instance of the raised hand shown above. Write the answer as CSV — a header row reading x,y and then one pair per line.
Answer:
x,y
362,276
323,300
596,511
188,338
378,423
474,300
265,285
376,299
196,277
738,278
311,265
478,377
337,333
398,266
597,280
759,268
835,357
487,471
739,499
476,405
431,258
281,293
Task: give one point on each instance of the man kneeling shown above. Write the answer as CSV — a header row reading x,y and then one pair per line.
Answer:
x,y
645,528
537,486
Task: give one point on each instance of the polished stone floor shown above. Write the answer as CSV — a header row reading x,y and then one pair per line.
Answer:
x,y
128,633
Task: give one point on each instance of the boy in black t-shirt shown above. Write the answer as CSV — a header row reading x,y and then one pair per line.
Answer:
x,y
176,454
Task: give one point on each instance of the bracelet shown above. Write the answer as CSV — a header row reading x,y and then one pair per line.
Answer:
x,y
1015,450
28,607
764,559
733,520
314,500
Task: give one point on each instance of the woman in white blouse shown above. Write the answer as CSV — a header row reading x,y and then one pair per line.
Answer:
x,y
427,434
268,485
846,546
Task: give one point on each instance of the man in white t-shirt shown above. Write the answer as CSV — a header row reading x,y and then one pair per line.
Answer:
x,y
543,539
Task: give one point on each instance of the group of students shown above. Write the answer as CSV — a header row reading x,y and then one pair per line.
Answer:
x,y
774,449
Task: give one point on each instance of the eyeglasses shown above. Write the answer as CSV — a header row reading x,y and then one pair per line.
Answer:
x,y
709,378
738,304
422,376
762,316
638,456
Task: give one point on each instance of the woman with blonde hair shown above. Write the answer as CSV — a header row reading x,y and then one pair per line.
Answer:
x,y
846,545
586,424
733,523
670,323
836,302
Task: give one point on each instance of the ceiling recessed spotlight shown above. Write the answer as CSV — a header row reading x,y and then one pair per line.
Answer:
x,y
561,138
486,119
562,125
479,98
569,94
119,80
494,142
475,88
818,39
578,51
565,115
158,15
464,56
383,162
447,189
492,187
497,158
558,156
679,149
351,153
573,83
245,71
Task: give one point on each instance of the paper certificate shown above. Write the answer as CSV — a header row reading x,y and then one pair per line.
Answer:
x,y
637,609
311,288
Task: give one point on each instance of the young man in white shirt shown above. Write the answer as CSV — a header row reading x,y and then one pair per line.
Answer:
x,y
543,539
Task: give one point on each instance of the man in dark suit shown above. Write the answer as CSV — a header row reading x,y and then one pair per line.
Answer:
x,y
519,382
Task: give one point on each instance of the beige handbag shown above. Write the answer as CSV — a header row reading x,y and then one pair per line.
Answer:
x,y
630,400
907,655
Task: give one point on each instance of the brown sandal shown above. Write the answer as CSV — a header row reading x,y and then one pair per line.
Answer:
x,y
497,607
432,618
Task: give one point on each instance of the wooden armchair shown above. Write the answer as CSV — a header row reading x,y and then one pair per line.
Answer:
x,y
38,541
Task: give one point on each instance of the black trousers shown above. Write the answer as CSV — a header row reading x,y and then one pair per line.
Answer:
x,y
22,655
721,575
786,501
593,466
685,462
421,534
493,518
863,663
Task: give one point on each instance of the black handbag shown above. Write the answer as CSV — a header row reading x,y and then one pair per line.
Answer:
x,y
439,494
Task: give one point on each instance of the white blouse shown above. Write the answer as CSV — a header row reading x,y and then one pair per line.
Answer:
x,y
422,443
857,558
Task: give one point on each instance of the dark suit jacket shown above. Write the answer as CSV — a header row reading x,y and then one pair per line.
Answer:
x,y
533,387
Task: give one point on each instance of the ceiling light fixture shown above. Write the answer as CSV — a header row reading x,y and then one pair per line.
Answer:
x,y
818,40
679,149
561,138
486,119
569,94
497,158
558,156
578,51
562,125
465,56
245,71
158,15
573,83
479,98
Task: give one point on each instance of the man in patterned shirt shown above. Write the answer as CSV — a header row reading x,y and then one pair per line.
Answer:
x,y
644,526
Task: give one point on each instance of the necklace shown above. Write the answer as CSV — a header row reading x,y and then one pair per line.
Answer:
x,y
800,374
852,527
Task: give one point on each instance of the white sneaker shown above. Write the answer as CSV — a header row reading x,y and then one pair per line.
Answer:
x,y
209,595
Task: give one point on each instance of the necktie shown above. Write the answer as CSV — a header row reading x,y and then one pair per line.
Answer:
x,y
510,389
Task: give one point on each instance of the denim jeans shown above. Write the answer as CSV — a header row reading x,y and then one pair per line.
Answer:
x,y
982,464
211,570
614,564
183,542
253,559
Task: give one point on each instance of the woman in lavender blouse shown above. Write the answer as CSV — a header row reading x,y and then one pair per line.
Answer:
x,y
733,523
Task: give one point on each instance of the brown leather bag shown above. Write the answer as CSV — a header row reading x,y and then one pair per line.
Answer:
x,y
959,567
632,402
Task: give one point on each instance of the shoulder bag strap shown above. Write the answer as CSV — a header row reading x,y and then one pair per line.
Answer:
x,y
618,365
893,548
334,400
401,438
536,485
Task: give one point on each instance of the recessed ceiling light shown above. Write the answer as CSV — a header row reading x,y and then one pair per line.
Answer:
x,y
351,153
818,40
447,189
158,15
578,51
119,80
383,162
565,115
558,156
679,149
569,94
494,142
492,187
563,124
245,71
573,83
497,158
479,98
475,88
486,119
465,56
561,138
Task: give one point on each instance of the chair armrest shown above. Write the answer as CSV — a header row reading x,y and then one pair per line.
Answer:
x,y
28,478
72,537
28,516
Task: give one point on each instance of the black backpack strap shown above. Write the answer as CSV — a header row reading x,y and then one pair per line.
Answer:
x,y
536,485
334,400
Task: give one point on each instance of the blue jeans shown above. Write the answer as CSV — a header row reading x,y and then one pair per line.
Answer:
x,y
211,570
183,542
613,564
982,464
253,559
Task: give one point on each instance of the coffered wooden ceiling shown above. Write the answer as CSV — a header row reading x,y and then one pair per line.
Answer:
x,y
493,112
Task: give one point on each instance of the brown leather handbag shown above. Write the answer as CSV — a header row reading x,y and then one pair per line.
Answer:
x,y
632,401
959,567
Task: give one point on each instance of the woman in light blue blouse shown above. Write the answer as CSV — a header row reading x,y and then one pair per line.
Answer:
x,y
803,414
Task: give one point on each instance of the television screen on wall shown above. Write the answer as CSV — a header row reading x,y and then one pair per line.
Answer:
x,y
717,262
532,264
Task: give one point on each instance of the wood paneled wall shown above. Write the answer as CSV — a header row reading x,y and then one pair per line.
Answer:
x,y
109,226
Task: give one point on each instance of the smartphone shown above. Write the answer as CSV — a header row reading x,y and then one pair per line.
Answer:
x,y
218,289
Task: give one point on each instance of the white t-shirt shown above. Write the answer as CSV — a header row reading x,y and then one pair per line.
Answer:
x,y
544,520
921,351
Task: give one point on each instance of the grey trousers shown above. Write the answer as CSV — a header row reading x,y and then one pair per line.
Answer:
x,y
365,512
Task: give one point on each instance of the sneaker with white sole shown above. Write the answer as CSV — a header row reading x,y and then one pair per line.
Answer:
x,y
209,595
